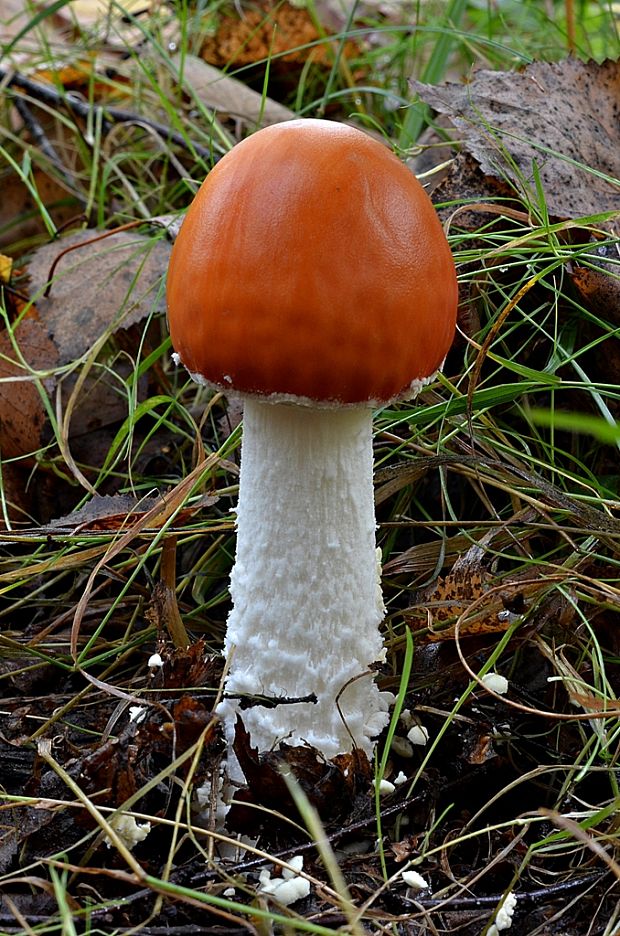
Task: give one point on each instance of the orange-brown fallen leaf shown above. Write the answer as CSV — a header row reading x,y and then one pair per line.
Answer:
x,y
269,30
599,283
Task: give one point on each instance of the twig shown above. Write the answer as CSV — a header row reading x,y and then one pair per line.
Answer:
x,y
39,136
166,596
203,877
458,902
110,115
270,702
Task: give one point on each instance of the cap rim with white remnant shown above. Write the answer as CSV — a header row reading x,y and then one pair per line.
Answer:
x,y
312,266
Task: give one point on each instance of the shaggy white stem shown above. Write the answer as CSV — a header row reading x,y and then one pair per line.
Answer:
x,y
305,585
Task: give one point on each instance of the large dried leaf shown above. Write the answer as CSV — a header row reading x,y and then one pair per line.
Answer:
x,y
117,511
563,116
228,96
98,288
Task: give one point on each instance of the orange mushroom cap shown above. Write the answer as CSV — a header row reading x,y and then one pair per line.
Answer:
x,y
311,264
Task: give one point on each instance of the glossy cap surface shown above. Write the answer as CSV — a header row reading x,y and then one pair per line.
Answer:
x,y
312,264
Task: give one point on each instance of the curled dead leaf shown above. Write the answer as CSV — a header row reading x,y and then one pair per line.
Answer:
x,y
480,750
331,786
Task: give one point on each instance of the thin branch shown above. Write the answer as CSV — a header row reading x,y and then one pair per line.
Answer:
x,y
110,115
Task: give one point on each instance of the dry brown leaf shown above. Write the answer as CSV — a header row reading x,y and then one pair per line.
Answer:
x,y
457,596
19,217
480,750
331,786
406,848
17,495
22,414
98,288
140,749
475,193
185,667
118,511
228,96
599,284
564,116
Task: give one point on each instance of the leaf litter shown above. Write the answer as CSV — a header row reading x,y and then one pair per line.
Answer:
x,y
549,136
145,763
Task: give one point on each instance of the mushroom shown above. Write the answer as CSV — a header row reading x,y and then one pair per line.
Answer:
x,y
312,277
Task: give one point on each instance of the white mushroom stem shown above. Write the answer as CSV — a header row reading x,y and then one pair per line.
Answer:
x,y
305,585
